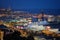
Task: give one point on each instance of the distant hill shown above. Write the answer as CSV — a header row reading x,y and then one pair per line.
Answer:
x,y
38,11
46,11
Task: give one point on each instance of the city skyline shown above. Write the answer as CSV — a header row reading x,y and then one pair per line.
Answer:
x,y
33,6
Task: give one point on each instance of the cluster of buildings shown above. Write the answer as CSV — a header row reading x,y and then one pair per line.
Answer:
x,y
7,14
32,21
25,18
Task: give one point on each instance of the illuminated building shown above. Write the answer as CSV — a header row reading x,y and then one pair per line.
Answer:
x,y
50,18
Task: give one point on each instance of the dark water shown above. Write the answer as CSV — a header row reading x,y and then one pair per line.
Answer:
x,y
57,25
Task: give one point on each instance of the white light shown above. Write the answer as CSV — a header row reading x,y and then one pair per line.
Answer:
x,y
17,26
25,24
48,27
30,22
21,27
21,20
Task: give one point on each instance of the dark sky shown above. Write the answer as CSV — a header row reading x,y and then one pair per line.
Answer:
x,y
30,4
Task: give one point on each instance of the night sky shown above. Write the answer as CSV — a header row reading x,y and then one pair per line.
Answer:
x,y
30,4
